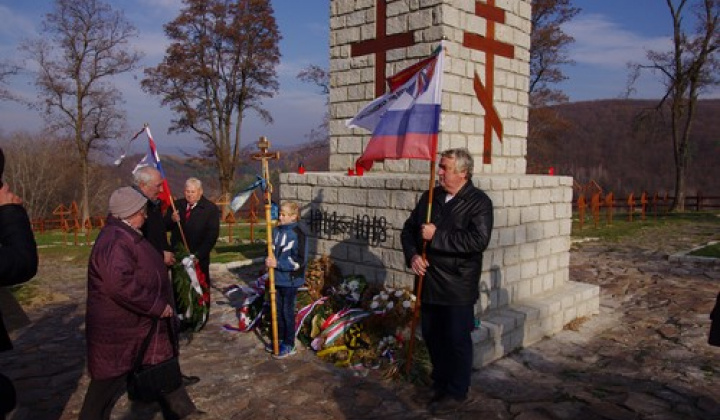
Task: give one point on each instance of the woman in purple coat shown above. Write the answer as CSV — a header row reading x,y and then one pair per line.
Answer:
x,y
128,287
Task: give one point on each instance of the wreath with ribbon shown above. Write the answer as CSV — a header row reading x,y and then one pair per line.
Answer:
x,y
192,292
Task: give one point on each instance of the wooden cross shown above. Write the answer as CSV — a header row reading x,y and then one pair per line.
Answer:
x,y
381,44
491,47
264,155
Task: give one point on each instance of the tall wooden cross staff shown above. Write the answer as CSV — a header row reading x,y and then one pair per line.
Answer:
x,y
264,155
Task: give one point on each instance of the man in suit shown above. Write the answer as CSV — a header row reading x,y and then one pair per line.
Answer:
x,y
200,223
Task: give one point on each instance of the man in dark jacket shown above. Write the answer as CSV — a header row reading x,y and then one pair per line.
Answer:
x,y
149,182
454,240
18,264
200,222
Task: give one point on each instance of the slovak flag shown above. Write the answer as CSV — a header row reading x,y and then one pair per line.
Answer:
x,y
405,121
152,158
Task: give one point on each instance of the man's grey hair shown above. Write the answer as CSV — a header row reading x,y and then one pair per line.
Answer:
x,y
194,182
463,160
144,175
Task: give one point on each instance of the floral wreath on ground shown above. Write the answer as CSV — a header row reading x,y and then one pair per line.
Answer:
x,y
344,319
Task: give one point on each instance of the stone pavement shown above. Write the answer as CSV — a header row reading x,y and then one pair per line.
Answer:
x,y
644,357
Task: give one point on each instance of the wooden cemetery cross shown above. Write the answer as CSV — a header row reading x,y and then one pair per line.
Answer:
x,y
609,204
631,206
381,44
491,47
230,221
581,210
595,207
643,204
264,155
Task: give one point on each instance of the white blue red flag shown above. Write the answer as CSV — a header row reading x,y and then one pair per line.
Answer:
x,y
152,158
405,121
241,197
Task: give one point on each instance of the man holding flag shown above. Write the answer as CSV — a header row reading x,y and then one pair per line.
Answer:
x,y
149,182
443,241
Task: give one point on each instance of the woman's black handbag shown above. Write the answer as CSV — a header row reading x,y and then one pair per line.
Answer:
x,y
149,383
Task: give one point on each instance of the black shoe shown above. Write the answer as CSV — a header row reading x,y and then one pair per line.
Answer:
x,y
190,380
447,404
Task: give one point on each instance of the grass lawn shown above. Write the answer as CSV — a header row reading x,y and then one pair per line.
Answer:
x,y
712,251
240,243
621,227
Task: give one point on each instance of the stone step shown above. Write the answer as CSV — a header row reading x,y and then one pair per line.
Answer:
x,y
528,321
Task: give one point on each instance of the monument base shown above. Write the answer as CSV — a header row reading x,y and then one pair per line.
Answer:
x,y
526,293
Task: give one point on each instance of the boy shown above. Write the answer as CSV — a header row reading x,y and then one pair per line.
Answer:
x,y
288,260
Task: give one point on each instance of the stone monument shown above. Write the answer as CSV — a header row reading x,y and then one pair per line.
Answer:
x,y
526,291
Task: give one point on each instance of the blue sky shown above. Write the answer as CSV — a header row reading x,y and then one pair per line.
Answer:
x,y
608,34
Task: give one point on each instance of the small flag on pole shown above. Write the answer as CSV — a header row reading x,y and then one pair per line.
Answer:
x,y
240,199
405,122
152,158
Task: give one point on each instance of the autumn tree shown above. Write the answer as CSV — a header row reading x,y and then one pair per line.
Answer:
x,y
548,53
33,172
220,65
687,70
83,45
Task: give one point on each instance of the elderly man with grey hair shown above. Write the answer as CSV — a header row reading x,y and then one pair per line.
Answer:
x,y
148,181
199,219
447,251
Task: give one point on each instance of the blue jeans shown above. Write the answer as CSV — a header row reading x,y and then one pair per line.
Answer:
x,y
286,299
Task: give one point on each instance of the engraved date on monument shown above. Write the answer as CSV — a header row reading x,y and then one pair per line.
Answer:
x,y
363,227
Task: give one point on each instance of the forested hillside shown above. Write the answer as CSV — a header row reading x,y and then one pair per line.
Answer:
x,y
605,141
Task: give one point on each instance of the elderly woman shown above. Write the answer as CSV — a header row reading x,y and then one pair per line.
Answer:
x,y
128,287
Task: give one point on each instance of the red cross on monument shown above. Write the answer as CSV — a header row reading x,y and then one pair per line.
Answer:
x,y
491,47
381,44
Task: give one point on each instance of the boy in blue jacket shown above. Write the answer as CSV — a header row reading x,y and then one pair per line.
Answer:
x,y
288,260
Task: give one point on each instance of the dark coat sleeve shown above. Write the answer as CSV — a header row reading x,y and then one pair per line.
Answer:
x,y
18,251
209,237
410,236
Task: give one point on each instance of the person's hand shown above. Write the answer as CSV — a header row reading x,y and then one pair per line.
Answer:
x,y
169,258
175,216
8,197
168,312
270,262
418,265
428,231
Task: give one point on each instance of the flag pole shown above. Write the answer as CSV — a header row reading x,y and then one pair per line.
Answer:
x,y
419,285
263,144
146,130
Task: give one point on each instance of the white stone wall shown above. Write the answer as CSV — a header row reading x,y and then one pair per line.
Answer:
x,y
352,79
529,248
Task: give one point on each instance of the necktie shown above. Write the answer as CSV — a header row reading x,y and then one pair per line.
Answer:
x,y
187,212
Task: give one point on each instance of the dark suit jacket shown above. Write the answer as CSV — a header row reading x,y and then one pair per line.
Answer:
x,y
18,254
155,229
201,230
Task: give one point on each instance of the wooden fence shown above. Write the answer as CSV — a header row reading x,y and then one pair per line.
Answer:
x,y
66,219
636,206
